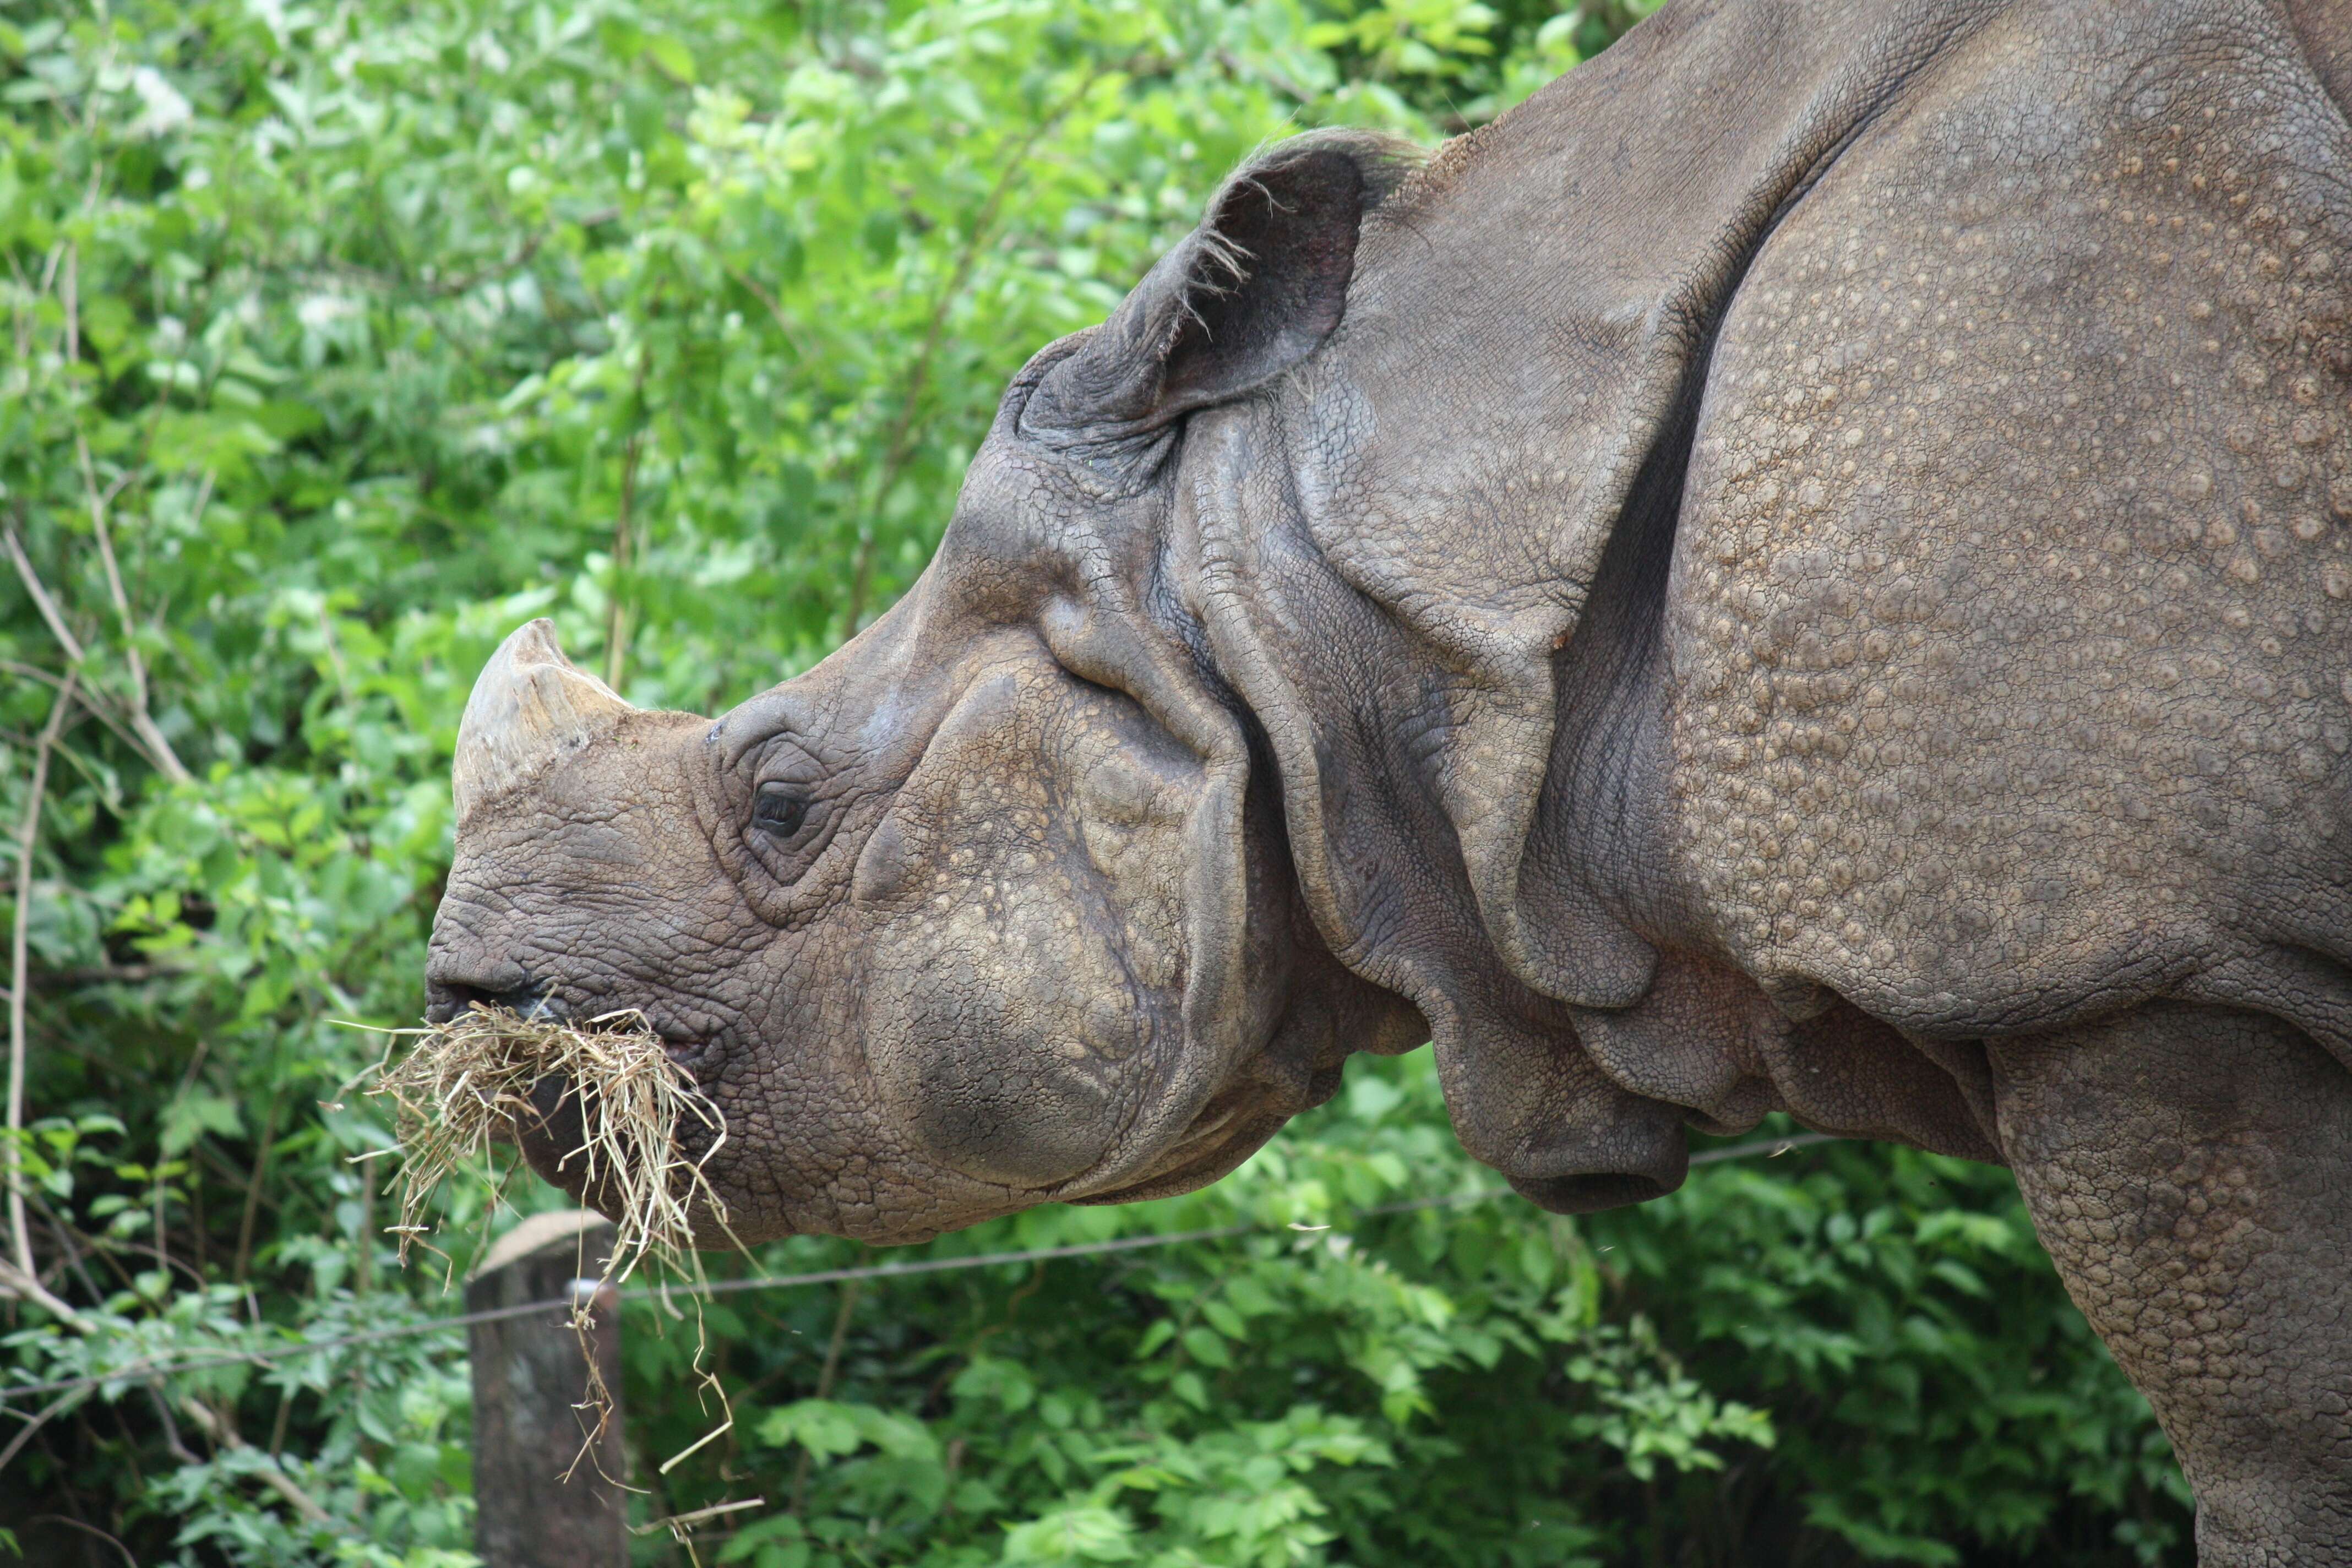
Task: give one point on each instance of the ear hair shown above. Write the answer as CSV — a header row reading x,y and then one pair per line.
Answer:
x,y
1246,296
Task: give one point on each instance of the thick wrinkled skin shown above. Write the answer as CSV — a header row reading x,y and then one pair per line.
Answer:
x,y
1824,588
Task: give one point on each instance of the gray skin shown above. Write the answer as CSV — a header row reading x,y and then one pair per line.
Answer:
x,y
1806,569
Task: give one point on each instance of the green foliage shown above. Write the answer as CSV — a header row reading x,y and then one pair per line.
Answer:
x,y
342,336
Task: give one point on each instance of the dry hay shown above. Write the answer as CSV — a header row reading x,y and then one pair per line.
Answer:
x,y
467,1083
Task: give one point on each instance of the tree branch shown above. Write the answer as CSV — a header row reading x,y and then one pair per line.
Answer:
x,y
26,1286
850,1291
901,448
616,611
784,324
218,1428
32,1424
41,593
89,705
141,719
28,832
70,645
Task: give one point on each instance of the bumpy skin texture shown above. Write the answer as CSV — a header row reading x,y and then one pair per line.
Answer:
x,y
2016,539
1808,568
2187,1168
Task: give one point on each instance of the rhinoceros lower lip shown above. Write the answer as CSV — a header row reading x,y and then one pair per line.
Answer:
x,y
685,1048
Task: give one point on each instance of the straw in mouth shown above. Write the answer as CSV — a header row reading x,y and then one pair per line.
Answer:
x,y
466,1083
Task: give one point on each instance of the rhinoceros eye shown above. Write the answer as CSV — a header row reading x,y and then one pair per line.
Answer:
x,y
780,809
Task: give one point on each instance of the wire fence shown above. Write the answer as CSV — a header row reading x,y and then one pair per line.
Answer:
x,y
137,1373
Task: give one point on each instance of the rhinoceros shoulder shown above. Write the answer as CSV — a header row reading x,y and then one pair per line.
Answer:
x,y
2010,625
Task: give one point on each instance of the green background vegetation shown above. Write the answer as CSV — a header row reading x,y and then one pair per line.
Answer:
x,y
342,336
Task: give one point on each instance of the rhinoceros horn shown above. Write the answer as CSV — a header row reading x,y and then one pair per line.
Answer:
x,y
530,705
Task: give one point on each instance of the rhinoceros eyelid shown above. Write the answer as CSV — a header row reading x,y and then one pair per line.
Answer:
x,y
781,755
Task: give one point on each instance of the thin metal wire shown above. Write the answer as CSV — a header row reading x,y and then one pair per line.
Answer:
x,y
134,1374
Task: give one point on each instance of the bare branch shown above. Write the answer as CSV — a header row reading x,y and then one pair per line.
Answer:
x,y
158,750
784,324
85,1529
69,293
18,318
28,833
141,719
50,266
90,703
32,1424
203,500
218,1428
900,449
69,643
851,1290
617,614
24,1286
75,975
41,593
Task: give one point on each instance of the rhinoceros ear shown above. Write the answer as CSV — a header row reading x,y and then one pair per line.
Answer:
x,y
1247,295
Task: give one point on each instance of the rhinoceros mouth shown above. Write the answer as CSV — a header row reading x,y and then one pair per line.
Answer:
x,y
693,1052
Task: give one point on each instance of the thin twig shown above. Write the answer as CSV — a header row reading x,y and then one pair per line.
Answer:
x,y
17,319
203,500
616,613
90,1528
41,593
90,700
141,719
67,643
253,1186
51,264
79,974
81,1325
784,324
850,1291
28,832
901,448
16,1282
217,1427
514,261
677,1522
69,294
48,1411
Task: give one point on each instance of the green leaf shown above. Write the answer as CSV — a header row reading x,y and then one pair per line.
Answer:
x,y
824,1429
675,60
195,1112
1080,1532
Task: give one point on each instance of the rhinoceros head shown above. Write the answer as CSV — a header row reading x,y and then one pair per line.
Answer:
x,y
988,909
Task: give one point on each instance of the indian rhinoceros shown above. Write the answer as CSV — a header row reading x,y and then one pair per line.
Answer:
x,y
1805,569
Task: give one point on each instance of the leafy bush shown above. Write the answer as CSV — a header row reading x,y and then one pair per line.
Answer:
x,y
342,336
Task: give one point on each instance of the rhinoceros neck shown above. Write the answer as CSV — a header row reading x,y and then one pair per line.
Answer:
x,y
1444,548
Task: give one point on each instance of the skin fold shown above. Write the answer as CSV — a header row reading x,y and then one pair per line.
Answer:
x,y
1824,588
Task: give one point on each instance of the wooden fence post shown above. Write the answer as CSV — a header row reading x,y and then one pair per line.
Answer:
x,y
530,1378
